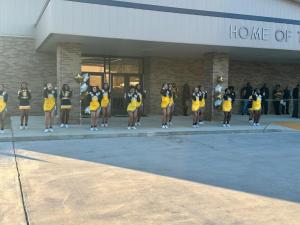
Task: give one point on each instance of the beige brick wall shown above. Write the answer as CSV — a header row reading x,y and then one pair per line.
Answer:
x,y
171,70
258,73
68,65
19,62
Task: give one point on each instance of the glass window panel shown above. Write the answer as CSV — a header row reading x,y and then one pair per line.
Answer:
x,y
126,65
133,81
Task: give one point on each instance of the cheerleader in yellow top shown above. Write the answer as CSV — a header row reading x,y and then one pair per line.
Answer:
x,y
50,95
140,106
203,97
65,105
227,107
172,96
165,104
195,106
105,104
95,98
24,96
133,100
3,104
256,106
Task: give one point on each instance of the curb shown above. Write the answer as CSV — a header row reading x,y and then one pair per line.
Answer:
x,y
135,134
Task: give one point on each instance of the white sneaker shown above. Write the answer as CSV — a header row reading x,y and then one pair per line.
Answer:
x,y
258,124
106,125
66,126
194,126
51,130
166,127
133,128
96,129
138,124
201,123
102,125
163,127
1,131
92,129
129,128
224,125
21,127
62,125
228,125
46,130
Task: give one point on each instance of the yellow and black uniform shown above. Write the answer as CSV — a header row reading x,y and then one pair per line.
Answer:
x,y
202,98
105,98
165,98
142,96
3,101
49,100
95,99
227,103
65,99
256,102
24,96
133,100
171,97
195,101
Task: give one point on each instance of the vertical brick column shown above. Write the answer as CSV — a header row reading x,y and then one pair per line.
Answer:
x,y
68,66
214,65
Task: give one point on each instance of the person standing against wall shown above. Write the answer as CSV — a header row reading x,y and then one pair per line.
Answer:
x,y
296,101
246,92
265,93
286,100
186,95
277,97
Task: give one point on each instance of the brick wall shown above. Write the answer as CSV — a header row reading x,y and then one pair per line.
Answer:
x,y
171,70
19,62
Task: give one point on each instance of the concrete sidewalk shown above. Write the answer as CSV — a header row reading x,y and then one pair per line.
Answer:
x,y
150,127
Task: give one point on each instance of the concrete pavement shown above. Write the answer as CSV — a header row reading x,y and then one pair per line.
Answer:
x,y
11,208
186,180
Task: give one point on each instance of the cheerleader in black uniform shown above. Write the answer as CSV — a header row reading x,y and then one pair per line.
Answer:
x,y
140,107
24,96
171,103
3,104
133,100
195,106
202,99
95,97
105,104
65,105
50,95
165,101
227,107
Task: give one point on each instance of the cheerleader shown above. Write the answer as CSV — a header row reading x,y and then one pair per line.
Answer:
x,y
195,106
202,99
3,103
250,108
105,104
256,106
227,107
24,96
95,98
171,103
140,106
165,101
65,105
50,95
133,100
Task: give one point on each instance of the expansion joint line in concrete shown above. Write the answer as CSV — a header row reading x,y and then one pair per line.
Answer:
x,y
19,179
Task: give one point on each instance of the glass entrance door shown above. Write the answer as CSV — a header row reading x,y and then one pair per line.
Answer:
x,y
120,85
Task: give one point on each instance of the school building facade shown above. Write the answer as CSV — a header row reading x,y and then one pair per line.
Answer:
x,y
148,41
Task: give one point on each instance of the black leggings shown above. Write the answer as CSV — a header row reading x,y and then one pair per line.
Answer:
x,y
2,118
24,117
65,115
227,117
